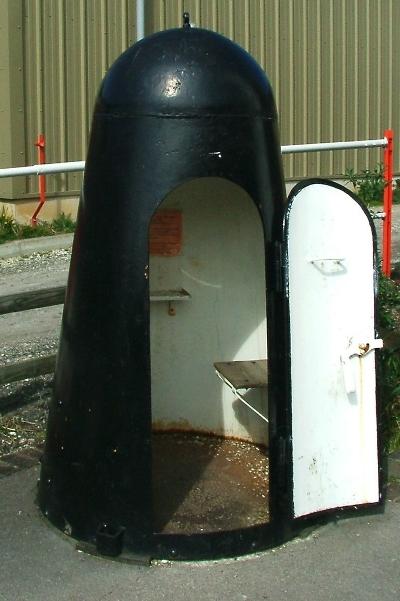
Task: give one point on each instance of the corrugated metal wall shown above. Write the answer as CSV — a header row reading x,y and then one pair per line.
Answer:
x,y
69,45
332,63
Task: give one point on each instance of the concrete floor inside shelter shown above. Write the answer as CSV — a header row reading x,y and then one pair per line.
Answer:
x,y
208,484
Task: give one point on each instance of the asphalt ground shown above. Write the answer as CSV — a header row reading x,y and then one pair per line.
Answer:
x,y
353,559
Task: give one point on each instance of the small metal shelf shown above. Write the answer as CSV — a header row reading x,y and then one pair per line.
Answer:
x,y
169,296
244,375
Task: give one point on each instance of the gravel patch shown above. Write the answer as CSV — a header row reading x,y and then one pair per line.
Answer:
x,y
25,427
51,262
25,335
28,349
23,414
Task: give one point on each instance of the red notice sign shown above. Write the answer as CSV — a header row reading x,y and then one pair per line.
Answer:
x,y
166,234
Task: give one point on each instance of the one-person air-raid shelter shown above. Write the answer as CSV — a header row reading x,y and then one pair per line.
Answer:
x,y
189,264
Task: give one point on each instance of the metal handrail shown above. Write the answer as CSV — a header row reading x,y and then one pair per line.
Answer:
x,y
49,168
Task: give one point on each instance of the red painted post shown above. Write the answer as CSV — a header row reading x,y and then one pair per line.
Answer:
x,y
41,145
387,203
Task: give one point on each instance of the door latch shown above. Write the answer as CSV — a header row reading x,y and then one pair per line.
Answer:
x,y
356,350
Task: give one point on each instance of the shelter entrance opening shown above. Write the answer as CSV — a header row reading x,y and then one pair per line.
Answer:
x,y
210,433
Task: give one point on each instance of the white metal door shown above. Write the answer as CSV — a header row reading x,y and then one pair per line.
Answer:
x,y
332,336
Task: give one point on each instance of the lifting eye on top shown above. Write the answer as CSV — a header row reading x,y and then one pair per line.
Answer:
x,y
186,20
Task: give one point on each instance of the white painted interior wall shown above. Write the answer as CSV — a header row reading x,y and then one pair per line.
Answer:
x,y
222,266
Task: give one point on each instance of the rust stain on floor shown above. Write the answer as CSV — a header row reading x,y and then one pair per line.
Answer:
x,y
208,484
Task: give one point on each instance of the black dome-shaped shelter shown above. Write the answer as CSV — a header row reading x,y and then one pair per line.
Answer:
x,y
179,105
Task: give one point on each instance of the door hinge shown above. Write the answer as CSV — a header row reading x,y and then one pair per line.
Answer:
x,y
281,452
278,267
283,459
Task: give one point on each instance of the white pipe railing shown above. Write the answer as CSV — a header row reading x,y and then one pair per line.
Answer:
x,y
49,168
139,19
334,146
